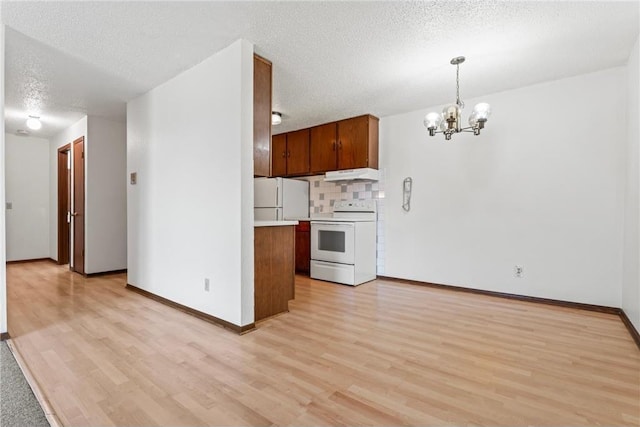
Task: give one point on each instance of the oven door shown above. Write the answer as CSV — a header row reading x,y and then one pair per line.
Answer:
x,y
332,241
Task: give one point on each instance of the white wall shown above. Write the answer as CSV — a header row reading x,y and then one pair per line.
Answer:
x,y
3,257
542,187
106,196
190,215
27,189
631,269
245,112
61,139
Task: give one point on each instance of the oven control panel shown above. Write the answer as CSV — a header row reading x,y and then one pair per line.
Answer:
x,y
355,206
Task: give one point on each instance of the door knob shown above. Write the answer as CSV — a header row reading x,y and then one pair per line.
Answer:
x,y
74,213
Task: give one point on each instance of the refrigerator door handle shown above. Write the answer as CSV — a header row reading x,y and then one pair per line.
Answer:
x,y
277,190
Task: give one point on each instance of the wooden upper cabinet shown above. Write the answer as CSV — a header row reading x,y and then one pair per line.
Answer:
x,y
279,155
298,152
290,153
323,148
261,116
346,144
358,143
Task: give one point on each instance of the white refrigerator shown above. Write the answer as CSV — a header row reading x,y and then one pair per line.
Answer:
x,y
277,199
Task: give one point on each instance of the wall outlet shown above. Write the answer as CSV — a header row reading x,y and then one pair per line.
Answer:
x,y
207,288
518,271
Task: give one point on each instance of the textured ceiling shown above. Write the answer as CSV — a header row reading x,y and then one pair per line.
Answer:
x,y
331,59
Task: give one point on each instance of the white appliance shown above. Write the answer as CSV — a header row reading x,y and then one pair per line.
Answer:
x,y
343,246
277,199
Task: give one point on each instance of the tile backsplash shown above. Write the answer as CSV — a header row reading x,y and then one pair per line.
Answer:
x,y
323,195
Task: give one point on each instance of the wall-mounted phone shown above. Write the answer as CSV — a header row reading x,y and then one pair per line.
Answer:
x,y
406,194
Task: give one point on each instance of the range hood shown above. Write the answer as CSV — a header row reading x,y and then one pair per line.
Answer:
x,y
367,174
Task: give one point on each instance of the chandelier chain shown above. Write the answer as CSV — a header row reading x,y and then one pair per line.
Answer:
x,y
458,84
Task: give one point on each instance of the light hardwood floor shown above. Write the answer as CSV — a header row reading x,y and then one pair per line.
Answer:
x,y
383,353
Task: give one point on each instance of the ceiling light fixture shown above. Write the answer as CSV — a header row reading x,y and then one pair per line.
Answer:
x,y
33,122
449,120
276,118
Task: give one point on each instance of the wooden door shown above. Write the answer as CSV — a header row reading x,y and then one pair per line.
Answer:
x,y
298,152
64,203
78,205
323,148
261,116
279,155
353,143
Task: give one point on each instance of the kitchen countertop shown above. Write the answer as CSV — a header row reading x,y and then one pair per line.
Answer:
x,y
299,219
273,223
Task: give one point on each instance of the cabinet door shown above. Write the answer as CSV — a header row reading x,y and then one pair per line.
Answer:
x,y
353,143
298,152
274,264
261,116
323,148
279,155
303,248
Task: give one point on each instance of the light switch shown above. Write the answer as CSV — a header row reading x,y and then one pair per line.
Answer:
x,y
134,178
9,205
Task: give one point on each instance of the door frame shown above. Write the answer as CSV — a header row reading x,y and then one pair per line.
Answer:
x,y
78,195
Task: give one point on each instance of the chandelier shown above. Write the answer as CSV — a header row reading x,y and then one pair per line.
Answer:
x,y
449,121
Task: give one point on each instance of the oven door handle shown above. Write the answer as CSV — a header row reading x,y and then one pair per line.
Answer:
x,y
333,224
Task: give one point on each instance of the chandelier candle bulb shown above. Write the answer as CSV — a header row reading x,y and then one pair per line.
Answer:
x,y
482,111
432,121
473,119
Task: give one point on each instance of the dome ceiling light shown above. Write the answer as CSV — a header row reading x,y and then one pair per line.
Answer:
x,y
34,123
276,118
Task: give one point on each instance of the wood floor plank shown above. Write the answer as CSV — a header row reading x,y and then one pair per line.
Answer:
x,y
383,353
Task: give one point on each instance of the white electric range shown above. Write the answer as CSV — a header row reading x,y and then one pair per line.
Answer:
x,y
343,244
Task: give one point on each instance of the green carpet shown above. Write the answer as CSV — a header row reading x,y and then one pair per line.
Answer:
x,y
18,405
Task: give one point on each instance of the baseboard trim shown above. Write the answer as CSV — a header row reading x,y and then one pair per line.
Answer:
x,y
4,336
22,261
632,329
204,316
548,301
579,305
106,273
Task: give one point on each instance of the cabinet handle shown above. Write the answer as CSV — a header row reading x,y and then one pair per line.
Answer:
x,y
340,145
288,153
284,154
334,146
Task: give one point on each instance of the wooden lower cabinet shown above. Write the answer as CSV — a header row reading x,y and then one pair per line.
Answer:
x,y
303,248
274,266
